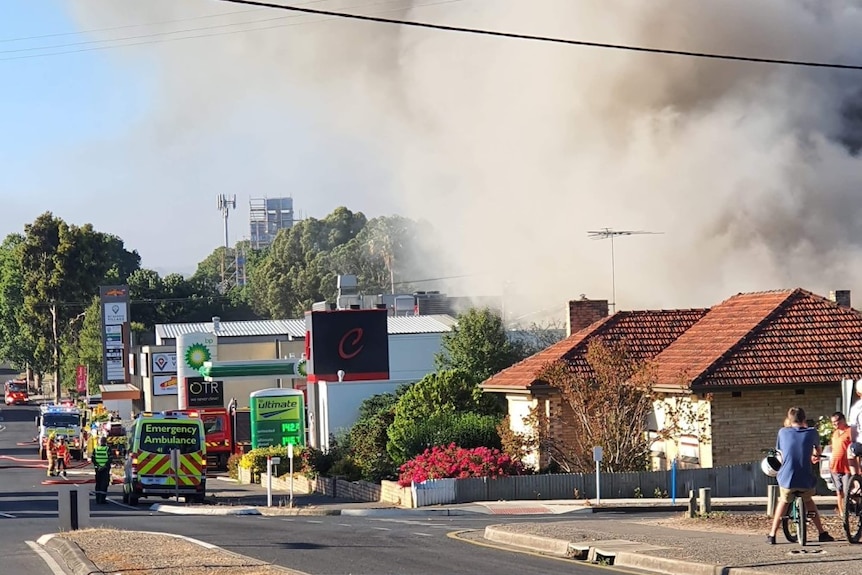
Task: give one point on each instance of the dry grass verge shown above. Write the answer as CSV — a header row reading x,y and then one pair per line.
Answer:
x,y
135,553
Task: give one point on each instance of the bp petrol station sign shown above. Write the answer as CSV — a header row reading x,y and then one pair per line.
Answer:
x,y
277,417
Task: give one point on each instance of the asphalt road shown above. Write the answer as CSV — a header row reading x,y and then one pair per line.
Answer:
x,y
331,545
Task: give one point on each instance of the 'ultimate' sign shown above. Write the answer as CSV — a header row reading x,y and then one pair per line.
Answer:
x,y
277,417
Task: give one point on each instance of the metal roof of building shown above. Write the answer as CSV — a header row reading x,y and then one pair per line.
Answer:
x,y
402,325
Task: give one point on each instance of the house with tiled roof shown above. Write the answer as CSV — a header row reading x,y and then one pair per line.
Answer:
x,y
744,361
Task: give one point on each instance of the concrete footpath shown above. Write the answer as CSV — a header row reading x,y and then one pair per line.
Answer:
x,y
618,532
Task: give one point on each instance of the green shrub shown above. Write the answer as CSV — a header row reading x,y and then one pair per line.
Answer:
x,y
368,439
255,460
466,430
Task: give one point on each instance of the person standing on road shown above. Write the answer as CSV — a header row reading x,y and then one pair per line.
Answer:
x,y
62,456
102,464
800,447
839,467
51,451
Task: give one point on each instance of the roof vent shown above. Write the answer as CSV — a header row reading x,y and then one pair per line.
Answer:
x,y
216,324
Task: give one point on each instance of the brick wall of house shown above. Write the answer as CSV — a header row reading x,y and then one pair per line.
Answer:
x,y
584,313
743,426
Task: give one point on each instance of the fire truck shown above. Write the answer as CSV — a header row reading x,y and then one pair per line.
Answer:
x,y
228,431
60,420
16,392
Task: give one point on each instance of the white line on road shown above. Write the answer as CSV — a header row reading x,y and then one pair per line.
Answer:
x,y
424,534
382,528
313,521
345,524
52,565
7,515
288,519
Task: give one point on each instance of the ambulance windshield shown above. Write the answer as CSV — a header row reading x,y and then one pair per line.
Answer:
x,y
163,436
60,420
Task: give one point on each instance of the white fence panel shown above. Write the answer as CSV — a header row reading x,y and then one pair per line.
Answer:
x,y
433,492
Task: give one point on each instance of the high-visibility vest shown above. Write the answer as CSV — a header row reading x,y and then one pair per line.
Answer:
x,y
100,456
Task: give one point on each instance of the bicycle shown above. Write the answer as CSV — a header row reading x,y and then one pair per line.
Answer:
x,y
794,523
853,509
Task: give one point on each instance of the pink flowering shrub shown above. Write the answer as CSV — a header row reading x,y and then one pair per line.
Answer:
x,y
456,462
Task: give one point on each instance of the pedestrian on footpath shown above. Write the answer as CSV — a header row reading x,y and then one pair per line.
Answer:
x,y
800,447
839,467
102,464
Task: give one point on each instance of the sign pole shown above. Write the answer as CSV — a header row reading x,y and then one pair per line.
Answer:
x,y
290,456
597,457
175,464
269,481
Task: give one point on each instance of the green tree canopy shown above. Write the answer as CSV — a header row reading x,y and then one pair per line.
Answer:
x,y
16,346
447,391
479,346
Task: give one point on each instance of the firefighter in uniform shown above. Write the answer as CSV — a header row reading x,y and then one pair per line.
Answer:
x,y
51,450
102,463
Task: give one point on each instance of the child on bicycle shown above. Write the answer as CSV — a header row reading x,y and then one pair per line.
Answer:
x,y
800,447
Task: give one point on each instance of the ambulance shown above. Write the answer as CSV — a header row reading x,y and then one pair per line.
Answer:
x,y
149,470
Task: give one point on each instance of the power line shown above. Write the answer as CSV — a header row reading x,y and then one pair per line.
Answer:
x,y
194,37
550,39
125,26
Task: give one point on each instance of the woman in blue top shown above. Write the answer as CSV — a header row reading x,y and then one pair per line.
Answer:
x,y
800,448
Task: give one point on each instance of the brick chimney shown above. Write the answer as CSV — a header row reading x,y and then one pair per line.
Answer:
x,y
584,312
841,297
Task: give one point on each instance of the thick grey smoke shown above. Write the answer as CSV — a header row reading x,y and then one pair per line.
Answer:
x,y
513,150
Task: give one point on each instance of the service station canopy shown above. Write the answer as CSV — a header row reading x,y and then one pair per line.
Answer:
x,y
253,369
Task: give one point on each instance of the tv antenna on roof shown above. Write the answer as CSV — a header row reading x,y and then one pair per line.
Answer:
x,y
610,233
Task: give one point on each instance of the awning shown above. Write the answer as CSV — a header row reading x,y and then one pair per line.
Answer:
x,y
118,391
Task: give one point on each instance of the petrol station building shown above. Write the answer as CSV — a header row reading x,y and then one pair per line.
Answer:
x,y
406,349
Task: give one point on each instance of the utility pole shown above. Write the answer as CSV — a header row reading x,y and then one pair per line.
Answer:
x,y
225,204
56,353
609,233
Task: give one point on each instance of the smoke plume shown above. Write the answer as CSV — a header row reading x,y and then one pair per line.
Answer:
x,y
513,150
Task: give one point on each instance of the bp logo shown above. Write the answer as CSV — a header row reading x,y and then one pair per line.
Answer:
x,y
301,368
196,355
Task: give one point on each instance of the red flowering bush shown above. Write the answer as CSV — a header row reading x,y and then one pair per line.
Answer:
x,y
459,463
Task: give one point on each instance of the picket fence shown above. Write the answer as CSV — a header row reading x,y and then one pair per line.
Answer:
x,y
743,480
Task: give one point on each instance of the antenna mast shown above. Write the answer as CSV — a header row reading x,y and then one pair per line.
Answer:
x,y
225,204
609,233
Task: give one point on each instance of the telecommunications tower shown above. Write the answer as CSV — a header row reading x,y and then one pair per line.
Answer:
x,y
228,262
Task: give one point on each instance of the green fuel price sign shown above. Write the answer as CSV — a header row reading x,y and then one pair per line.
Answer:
x,y
277,417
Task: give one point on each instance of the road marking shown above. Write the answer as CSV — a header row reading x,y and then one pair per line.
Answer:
x,y
7,515
312,521
52,565
345,524
382,528
424,534
118,504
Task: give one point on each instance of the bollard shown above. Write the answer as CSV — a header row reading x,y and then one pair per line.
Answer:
x,y
73,507
692,504
704,501
771,500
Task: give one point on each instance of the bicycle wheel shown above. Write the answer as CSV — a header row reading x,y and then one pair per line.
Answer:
x,y
801,521
789,524
853,510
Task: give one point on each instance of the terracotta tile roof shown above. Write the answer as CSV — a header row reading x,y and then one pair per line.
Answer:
x,y
716,335
806,339
646,333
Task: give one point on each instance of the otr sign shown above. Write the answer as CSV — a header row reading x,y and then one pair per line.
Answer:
x,y
202,393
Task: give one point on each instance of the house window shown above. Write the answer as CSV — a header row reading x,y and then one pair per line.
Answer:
x,y
735,394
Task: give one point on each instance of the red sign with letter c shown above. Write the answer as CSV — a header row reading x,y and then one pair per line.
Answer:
x,y
354,343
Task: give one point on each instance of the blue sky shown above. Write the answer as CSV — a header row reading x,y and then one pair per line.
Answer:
x,y
80,136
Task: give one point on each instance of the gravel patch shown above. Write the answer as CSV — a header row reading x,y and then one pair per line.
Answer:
x,y
120,552
727,539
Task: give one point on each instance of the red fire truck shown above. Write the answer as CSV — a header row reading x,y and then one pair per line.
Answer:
x,y
16,392
228,431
